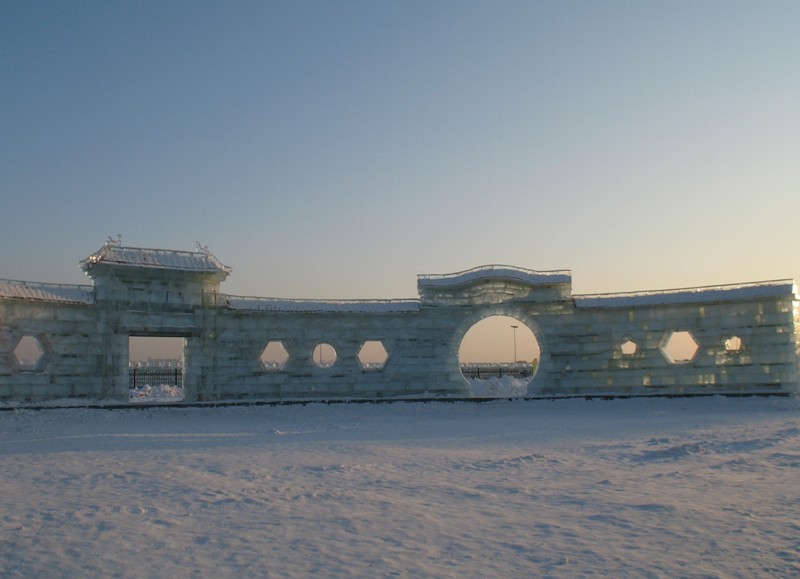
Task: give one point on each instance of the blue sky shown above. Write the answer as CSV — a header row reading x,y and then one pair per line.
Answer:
x,y
337,149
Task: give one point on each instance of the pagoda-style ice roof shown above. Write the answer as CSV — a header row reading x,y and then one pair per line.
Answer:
x,y
505,272
764,289
63,293
200,261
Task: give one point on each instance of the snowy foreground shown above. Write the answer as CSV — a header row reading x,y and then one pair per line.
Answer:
x,y
692,487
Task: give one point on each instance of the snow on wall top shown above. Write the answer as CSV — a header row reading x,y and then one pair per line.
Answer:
x,y
29,290
320,306
494,272
688,295
200,260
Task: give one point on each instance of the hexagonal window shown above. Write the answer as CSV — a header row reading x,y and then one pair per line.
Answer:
x,y
29,353
274,356
324,355
628,347
372,355
680,347
733,344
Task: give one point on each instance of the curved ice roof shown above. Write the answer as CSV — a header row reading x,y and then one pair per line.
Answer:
x,y
494,272
29,290
196,261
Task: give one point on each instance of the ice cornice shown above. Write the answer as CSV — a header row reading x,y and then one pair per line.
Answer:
x,y
764,289
321,306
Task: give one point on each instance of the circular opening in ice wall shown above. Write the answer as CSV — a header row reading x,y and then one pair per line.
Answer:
x,y
499,356
324,355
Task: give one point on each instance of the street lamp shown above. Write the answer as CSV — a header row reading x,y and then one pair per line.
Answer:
x,y
515,342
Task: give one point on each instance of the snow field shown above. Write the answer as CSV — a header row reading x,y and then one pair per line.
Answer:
x,y
642,487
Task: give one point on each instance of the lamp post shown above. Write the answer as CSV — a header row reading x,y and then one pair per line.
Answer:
x,y
513,327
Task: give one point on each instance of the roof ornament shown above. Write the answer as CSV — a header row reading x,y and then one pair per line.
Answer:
x,y
201,248
115,242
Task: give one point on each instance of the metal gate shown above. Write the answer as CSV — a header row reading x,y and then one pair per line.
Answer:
x,y
475,370
153,376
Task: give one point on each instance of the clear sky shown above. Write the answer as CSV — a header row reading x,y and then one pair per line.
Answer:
x,y
337,149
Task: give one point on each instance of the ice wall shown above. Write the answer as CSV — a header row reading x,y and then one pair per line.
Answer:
x,y
745,337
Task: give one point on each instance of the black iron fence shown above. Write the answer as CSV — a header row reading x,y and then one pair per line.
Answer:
x,y
155,376
483,371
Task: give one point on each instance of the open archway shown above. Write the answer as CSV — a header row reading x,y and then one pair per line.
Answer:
x,y
156,366
498,356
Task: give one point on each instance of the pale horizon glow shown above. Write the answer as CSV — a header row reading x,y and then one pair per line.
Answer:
x,y
336,150
491,341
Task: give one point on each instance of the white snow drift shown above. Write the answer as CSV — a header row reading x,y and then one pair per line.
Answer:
x,y
642,487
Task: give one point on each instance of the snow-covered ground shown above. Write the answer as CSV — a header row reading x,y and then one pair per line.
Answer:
x,y
156,393
692,487
505,387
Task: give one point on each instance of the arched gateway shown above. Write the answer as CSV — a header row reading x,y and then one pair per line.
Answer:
x,y
619,344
